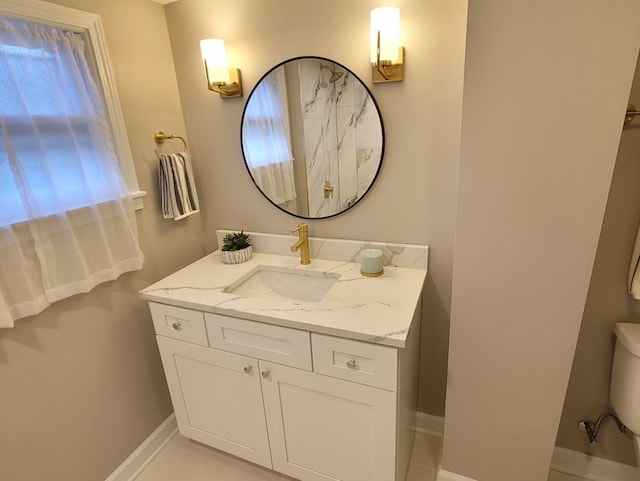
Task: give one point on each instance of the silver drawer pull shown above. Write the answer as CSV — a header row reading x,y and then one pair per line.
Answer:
x,y
351,364
248,369
177,326
266,373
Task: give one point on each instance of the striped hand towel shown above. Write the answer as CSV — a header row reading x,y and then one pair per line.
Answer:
x,y
177,186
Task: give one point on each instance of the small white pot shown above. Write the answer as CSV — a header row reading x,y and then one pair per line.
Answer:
x,y
236,257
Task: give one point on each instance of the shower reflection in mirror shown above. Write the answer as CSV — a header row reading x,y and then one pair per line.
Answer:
x,y
310,123
335,75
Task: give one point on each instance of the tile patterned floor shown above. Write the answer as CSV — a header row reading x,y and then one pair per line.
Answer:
x,y
185,460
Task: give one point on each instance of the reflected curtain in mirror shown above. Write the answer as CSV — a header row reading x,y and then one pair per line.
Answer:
x,y
267,136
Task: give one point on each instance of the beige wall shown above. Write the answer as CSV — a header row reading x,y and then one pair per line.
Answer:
x,y
81,385
607,303
83,381
414,198
546,84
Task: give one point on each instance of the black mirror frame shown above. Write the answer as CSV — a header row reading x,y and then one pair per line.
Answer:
x,y
382,150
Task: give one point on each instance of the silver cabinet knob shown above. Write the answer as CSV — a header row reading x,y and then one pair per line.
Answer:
x,y
351,364
266,373
248,369
177,326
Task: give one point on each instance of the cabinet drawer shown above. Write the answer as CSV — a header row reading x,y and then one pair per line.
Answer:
x,y
179,323
282,345
355,361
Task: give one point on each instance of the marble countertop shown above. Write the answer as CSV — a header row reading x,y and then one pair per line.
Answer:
x,y
371,309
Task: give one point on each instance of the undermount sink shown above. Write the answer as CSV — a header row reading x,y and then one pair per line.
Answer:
x,y
271,282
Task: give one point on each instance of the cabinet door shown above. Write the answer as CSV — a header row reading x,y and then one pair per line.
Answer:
x,y
217,398
328,429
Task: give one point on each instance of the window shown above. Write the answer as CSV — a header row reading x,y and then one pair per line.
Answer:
x,y
89,27
35,121
66,176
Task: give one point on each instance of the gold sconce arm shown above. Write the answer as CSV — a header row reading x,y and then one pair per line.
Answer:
x,y
385,51
226,90
386,71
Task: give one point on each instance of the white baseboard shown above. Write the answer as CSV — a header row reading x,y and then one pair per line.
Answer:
x,y
575,463
447,476
430,424
591,467
564,460
146,452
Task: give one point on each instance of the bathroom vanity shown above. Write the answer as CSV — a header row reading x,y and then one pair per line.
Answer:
x,y
307,370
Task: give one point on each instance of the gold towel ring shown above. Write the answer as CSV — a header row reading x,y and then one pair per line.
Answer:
x,y
160,137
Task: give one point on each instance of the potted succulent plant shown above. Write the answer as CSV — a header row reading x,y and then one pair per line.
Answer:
x,y
236,248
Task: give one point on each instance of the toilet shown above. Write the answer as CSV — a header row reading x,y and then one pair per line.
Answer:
x,y
625,379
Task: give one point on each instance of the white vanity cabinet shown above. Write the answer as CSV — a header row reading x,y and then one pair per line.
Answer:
x,y
217,398
325,429
311,406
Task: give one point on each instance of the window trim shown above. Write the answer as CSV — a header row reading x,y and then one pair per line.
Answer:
x,y
90,25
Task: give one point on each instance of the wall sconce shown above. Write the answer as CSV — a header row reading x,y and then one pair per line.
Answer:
x,y
220,78
387,55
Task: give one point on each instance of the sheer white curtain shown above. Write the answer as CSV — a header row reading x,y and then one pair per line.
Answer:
x,y
266,138
66,216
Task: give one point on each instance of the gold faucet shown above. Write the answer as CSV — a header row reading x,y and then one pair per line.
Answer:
x,y
302,244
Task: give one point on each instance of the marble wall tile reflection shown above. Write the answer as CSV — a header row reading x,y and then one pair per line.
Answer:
x,y
342,134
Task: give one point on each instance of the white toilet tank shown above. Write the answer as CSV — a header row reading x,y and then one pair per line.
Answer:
x,y
625,375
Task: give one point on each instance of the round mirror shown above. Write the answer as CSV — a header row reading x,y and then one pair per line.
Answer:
x,y
312,137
